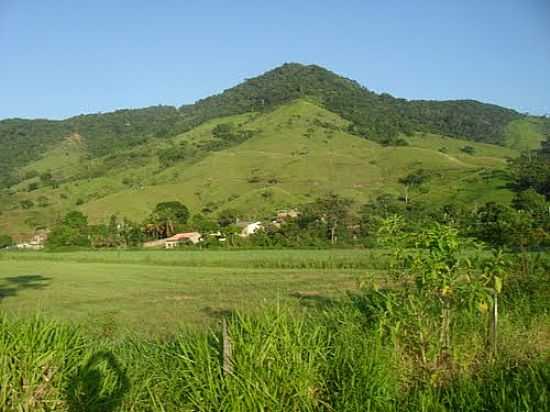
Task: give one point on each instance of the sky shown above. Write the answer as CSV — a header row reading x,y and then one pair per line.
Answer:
x,y
60,58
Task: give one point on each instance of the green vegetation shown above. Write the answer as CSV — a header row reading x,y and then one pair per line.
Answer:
x,y
302,126
278,167
73,231
154,293
377,117
166,219
5,241
419,342
532,170
526,134
437,299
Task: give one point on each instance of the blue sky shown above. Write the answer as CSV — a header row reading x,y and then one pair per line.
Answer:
x,y
60,58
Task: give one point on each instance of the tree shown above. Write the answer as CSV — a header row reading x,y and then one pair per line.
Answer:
x,y
373,212
531,171
331,210
201,223
46,178
5,241
26,204
468,150
43,201
500,225
530,201
413,180
166,217
132,233
32,187
73,230
227,217
224,131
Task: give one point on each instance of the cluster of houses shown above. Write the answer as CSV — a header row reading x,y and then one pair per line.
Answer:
x,y
37,241
40,237
247,229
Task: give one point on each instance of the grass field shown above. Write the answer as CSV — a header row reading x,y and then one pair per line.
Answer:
x,y
153,293
140,331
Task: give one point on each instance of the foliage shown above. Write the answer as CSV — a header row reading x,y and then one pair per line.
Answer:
x,y
281,362
331,211
73,230
203,224
227,217
413,181
26,204
166,219
532,170
5,241
501,225
174,154
377,117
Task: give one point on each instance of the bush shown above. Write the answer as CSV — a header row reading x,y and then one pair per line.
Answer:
x,y
5,241
468,150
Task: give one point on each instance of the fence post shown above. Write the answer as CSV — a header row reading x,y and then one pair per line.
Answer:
x,y
227,350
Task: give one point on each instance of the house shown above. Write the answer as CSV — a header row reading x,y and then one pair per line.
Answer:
x,y
249,228
37,242
174,241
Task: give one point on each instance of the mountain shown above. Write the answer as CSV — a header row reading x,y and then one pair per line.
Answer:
x,y
277,140
379,117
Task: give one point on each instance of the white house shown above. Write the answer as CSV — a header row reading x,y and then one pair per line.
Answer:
x,y
251,228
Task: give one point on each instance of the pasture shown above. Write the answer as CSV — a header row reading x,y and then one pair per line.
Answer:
x,y
139,331
155,292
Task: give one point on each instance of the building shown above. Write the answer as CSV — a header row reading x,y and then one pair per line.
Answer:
x,y
174,241
249,228
37,242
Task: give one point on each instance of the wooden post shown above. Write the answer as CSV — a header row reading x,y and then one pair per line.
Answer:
x,y
227,350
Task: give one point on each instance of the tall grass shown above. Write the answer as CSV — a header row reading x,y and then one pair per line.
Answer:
x,y
335,359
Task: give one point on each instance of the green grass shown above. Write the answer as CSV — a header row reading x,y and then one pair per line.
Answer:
x,y
252,259
139,331
156,292
330,361
524,134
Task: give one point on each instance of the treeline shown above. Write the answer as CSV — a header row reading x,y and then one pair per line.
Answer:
x,y
330,221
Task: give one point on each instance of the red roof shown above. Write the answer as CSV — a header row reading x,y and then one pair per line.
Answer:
x,y
181,236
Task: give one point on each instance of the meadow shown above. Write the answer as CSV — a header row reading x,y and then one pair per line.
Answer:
x,y
155,292
309,330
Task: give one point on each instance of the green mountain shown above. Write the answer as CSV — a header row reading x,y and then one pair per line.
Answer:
x,y
278,140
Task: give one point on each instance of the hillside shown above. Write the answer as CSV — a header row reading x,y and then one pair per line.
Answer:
x,y
278,140
294,153
378,117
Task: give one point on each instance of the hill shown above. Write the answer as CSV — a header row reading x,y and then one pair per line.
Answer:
x,y
274,141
